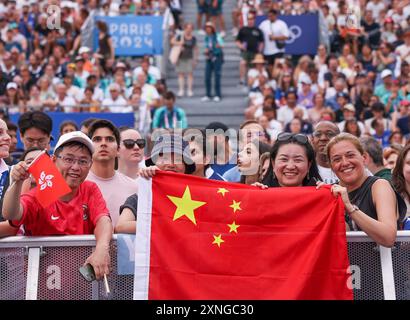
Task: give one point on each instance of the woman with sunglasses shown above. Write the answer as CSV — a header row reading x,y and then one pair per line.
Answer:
x,y
370,202
293,162
131,152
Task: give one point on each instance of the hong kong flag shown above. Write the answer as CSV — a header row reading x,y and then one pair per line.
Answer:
x,y
50,183
205,239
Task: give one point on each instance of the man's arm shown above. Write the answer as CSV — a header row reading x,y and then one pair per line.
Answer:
x,y
100,258
12,208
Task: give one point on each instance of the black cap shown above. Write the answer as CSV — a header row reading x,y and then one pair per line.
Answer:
x,y
342,94
217,126
172,144
35,119
291,90
377,106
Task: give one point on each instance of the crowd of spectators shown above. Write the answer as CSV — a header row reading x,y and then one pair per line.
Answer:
x,y
341,116
358,80
51,67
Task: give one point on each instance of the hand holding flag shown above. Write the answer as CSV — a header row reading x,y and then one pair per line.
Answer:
x,y
204,239
50,183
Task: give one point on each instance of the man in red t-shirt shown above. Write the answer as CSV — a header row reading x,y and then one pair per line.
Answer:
x,y
82,211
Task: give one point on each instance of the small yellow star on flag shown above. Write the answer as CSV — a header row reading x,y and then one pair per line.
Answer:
x,y
235,206
233,227
218,240
186,206
222,191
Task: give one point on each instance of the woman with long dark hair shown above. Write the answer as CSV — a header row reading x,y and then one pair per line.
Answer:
x,y
249,161
401,179
293,162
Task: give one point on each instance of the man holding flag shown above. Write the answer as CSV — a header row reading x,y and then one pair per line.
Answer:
x,y
63,203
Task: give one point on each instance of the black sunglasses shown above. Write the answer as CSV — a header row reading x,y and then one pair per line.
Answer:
x,y
129,143
286,136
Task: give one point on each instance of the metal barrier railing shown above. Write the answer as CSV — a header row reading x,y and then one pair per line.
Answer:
x,y
46,268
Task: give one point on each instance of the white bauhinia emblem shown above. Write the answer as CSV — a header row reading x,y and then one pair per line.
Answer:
x,y
45,181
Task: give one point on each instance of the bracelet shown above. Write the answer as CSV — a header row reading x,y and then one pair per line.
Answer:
x,y
354,208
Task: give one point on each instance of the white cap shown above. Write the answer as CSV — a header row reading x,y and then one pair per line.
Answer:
x,y
75,136
305,79
350,107
385,73
114,86
84,50
11,85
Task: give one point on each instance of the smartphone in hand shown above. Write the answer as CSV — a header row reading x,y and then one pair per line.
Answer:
x,y
87,272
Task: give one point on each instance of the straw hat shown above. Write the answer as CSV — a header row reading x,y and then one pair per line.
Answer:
x,y
211,25
258,59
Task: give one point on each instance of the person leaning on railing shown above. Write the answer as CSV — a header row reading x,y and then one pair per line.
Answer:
x,y
5,228
82,211
371,203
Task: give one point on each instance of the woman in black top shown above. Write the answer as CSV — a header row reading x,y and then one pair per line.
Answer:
x,y
370,202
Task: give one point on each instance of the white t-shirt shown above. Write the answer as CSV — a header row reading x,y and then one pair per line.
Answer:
x,y
327,175
115,191
375,8
149,93
68,103
152,71
117,106
404,51
285,114
74,92
277,28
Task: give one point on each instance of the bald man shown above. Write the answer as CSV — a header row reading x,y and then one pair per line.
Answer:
x,y
323,132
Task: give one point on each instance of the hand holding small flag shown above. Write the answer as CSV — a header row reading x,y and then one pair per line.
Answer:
x,y
50,183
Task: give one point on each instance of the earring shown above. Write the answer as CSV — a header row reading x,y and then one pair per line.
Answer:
x,y
308,177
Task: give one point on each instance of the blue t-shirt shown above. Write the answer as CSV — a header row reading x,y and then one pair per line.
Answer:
x,y
383,139
232,175
222,168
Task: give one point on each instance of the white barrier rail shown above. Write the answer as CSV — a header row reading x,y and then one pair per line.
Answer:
x,y
46,268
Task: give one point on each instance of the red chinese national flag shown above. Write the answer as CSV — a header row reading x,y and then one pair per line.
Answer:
x,y
50,183
205,239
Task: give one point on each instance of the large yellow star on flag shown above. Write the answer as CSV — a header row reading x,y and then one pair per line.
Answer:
x,y
233,227
218,240
222,191
186,206
236,206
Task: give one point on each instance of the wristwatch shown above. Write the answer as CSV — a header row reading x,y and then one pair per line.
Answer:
x,y
354,208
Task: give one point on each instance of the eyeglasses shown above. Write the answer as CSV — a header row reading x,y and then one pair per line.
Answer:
x,y
328,134
129,143
286,136
42,142
69,161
